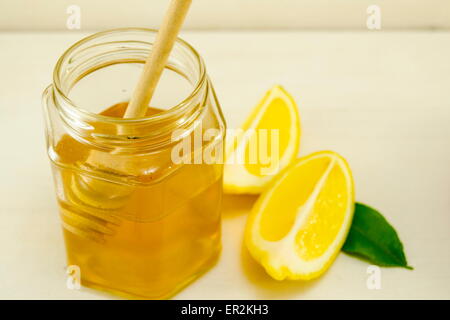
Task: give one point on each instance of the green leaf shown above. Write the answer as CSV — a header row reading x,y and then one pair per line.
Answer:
x,y
372,238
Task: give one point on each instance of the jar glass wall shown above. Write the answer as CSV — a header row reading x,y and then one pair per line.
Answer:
x,y
135,222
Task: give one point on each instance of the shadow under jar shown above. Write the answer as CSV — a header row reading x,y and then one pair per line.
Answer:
x,y
136,222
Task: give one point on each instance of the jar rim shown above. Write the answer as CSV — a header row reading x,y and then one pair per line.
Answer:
x,y
172,111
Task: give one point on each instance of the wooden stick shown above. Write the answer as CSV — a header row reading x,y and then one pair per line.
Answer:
x,y
140,100
156,61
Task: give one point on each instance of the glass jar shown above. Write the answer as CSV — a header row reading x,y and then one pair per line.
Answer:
x,y
135,222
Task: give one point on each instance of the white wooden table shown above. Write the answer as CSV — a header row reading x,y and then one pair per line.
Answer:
x,y
380,99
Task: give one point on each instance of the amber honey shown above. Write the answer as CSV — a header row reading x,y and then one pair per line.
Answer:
x,y
144,240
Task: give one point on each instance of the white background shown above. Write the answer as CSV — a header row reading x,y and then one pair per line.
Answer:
x,y
380,98
228,14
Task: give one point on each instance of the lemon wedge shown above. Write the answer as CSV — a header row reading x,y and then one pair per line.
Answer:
x,y
266,143
298,225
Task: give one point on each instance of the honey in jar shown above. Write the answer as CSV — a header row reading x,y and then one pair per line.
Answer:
x,y
135,222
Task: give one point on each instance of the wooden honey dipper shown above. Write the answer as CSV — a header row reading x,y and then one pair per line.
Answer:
x,y
142,94
157,59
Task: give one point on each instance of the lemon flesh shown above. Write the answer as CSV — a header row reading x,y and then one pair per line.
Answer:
x,y
298,226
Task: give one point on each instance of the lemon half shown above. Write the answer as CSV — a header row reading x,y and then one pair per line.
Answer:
x,y
267,142
298,226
